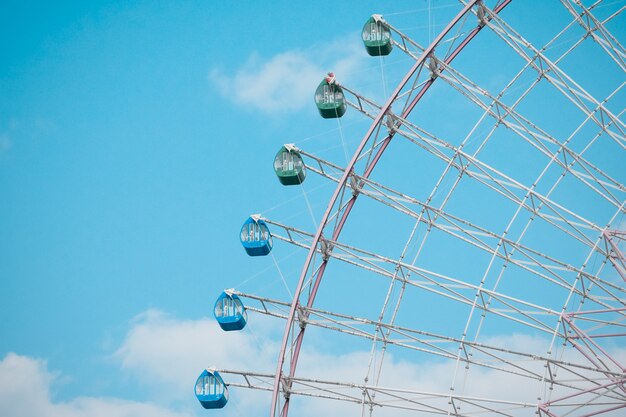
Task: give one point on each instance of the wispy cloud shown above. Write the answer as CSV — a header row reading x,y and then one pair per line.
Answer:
x,y
25,386
166,354
156,340
286,82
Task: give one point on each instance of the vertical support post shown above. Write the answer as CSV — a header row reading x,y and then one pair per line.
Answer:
x,y
616,256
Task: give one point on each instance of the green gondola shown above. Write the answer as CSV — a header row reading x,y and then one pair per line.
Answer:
x,y
329,98
376,37
289,166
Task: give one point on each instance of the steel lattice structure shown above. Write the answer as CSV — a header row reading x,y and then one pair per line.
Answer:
x,y
583,370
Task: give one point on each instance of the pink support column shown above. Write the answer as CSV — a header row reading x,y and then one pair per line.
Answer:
x,y
617,258
346,211
588,346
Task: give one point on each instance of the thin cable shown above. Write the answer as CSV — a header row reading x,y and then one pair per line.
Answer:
x,y
291,200
237,410
308,204
253,276
282,276
421,10
343,141
430,29
262,271
382,75
256,339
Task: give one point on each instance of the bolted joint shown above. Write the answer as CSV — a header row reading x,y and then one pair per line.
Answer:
x,y
291,147
301,316
326,248
481,13
433,66
378,18
391,121
286,386
355,185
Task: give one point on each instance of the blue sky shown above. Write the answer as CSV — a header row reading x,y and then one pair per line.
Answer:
x,y
136,137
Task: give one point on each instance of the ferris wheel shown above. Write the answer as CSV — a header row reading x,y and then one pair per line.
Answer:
x,y
482,234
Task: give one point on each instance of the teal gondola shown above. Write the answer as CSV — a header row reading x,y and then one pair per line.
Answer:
x,y
376,37
211,390
329,98
230,312
289,166
256,237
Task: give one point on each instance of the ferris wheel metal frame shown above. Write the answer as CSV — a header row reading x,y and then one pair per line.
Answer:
x,y
605,373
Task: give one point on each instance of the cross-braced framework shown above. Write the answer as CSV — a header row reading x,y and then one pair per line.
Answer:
x,y
561,281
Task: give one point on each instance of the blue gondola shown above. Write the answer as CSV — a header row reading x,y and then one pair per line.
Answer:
x,y
230,312
211,390
256,237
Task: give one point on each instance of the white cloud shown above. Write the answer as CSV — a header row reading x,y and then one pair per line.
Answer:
x,y
286,82
25,385
156,340
167,354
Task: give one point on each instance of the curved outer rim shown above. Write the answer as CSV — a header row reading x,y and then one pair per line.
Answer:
x,y
340,186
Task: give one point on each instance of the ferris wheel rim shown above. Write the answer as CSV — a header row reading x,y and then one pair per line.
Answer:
x,y
520,308
341,186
